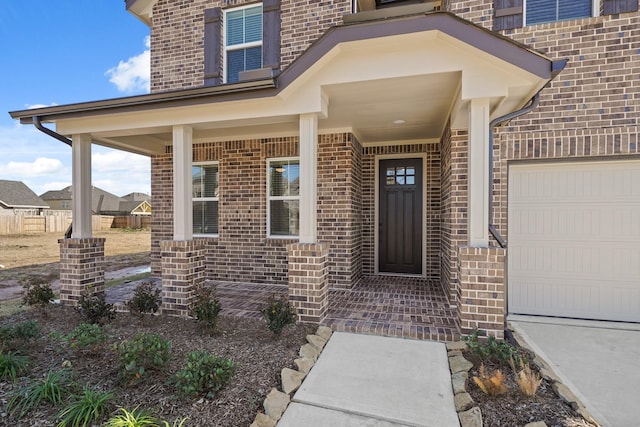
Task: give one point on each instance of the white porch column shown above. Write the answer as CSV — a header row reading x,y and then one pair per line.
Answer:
x,y
478,172
81,186
182,183
308,178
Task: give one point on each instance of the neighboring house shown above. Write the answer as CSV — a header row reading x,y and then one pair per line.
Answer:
x,y
317,143
102,202
16,198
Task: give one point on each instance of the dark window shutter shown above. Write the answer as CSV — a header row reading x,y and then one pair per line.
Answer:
x,y
507,14
611,7
271,34
212,46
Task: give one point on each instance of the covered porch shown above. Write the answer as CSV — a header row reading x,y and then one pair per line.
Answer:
x,y
376,305
423,87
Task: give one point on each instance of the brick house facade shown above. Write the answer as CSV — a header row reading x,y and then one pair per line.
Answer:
x,y
350,92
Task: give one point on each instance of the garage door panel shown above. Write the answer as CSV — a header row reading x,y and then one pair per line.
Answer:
x,y
572,298
574,240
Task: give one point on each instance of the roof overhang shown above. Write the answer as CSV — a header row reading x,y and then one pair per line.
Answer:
x,y
141,9
390,80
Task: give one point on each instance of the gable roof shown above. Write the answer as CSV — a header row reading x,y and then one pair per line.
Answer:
x,y
15,194
437,56
101,200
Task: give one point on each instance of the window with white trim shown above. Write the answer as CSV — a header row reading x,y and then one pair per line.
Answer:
x,y
205,178
283,197
540,11
243,40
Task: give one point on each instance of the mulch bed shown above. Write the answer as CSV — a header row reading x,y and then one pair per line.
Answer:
x,y
259,358
513,409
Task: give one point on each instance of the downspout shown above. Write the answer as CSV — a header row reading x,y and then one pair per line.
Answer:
x,y
533,103
38,124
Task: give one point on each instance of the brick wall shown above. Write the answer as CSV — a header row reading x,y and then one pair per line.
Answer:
x,y
482,290
81,268
432,214
340,206
454,208
177,32
591,109
242,252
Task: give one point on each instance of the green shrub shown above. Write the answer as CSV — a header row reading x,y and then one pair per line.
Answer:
x,y
12,364
203,374
94,309
37,292
19,333
86,409
146,299
206,307
142,353
52,388
279,313
87,337
132,419
491,349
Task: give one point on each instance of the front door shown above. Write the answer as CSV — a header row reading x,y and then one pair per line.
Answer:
x,y
400,214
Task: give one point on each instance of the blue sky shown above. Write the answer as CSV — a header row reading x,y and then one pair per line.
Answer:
x,y
56,52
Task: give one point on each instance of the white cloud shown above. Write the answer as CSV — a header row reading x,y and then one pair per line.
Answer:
x,y
40,166
133,74
33,106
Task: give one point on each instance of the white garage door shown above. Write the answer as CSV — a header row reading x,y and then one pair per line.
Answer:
x,y
574,240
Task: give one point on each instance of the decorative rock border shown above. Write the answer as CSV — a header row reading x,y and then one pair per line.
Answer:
x,y
470,415
277,401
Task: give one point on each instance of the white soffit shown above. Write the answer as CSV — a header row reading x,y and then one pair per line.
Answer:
x,y
420,78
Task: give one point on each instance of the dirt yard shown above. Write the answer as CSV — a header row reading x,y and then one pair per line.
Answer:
x,y
39,254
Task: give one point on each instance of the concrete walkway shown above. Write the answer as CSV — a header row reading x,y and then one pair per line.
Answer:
x,y
366,380
598,361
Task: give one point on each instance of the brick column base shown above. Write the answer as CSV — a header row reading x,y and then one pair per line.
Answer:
x,y
81,268
182,271
482,291
309,280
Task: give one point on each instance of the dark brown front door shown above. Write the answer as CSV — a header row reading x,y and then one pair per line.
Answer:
x,y
400,232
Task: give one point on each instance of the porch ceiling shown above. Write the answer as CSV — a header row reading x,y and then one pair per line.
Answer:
x,y
396,80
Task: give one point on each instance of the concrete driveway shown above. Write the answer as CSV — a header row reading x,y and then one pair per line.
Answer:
x,y
598,361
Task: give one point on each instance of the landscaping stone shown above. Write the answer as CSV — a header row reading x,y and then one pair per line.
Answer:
x,y
471,418
275,403
316,341
263,420
324,332
537,424
456,346
454,353
291,380
459,364
463,401
565,394
304,364
309,351
459,382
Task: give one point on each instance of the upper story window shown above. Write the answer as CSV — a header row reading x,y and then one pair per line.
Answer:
x,y
205,198
508,14
539,11
243,40
283,194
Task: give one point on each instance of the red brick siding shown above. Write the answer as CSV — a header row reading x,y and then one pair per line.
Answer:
x,y
242,252
177,36
454,208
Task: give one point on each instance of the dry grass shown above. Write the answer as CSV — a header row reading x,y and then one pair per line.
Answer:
x,y
42,248
491,383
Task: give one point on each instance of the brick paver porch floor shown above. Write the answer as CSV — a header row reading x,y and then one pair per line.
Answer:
x,y
393,306
380,305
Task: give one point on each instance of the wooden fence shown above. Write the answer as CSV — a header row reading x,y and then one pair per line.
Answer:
x,y
132,221
16,224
